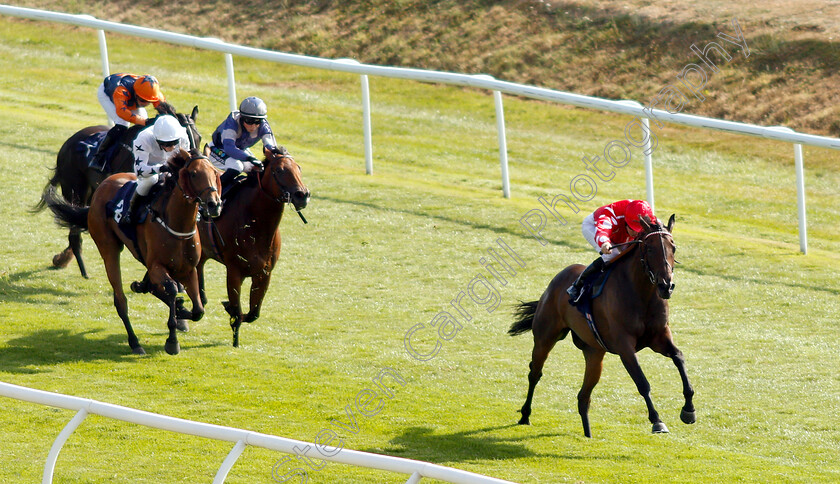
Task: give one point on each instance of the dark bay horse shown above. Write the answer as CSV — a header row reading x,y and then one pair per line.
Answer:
x,y
630,314
167,243
78,180
246,237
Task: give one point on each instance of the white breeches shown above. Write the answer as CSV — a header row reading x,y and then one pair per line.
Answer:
x,y
111,110
228,162
145,184
588,229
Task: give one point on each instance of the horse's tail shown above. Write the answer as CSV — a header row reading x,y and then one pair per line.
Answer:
x,y
524,313
42,203
66,214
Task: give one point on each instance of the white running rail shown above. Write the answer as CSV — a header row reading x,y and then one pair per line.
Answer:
x,y
478,81
242,438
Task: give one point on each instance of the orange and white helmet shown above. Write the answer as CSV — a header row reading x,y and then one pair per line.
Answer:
x,y
635,209
147,88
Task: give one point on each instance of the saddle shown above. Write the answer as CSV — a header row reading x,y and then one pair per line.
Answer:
x,y
592,287
230,190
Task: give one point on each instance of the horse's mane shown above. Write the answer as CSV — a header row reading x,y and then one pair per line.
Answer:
x,y
166,108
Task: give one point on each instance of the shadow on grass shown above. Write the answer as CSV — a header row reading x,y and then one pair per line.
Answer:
x,y
30,353
424,443
19,287
35,352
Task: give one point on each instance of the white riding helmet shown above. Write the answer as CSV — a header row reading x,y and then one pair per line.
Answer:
x,y
167,128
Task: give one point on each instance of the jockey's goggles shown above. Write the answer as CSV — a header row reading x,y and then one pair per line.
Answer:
x,y
248,120
167,144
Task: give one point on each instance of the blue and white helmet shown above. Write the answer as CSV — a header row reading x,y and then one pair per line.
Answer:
x,y
253,107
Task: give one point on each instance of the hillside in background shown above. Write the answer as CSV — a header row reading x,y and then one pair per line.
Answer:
x,y
617,50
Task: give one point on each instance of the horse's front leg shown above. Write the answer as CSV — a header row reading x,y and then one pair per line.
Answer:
x,y
259,286
192,287
665,346
631,364
166,289
200,271
232,305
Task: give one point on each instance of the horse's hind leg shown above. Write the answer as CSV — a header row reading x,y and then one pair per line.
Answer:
x,y
63,258
111,257
75,239
594,364
539,354
665,346
631,364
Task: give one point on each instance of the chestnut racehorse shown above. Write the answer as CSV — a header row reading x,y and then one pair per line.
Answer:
x,y
167,243
630,314
78,180
246,237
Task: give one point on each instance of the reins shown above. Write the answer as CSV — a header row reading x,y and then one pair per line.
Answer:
x,y
197,198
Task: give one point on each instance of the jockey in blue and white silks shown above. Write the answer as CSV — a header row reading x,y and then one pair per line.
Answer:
x,y
239,131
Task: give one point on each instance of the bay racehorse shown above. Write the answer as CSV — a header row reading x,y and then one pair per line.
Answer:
x,y
167,243
78,180
630,314
246,237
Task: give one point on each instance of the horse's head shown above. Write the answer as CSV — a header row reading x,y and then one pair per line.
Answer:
x,y
657,253
282,179
199,180
187,122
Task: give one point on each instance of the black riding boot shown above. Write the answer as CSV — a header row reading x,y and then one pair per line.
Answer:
x,y
136,202
113,136
574,290
228,176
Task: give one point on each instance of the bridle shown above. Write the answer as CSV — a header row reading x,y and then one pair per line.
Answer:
x,y
645,264
202,205
285,196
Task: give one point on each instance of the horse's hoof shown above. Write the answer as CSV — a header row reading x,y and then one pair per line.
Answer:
x,y
250,318
660,428
138,287
62,259
688,417
183,313
138,350
182,325
172,348
524,421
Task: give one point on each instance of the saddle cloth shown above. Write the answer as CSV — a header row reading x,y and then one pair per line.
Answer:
x,y
90,145
593,286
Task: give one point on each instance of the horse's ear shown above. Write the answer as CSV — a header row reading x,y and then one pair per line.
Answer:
x,y
267,152
645,222
194,113
670,226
